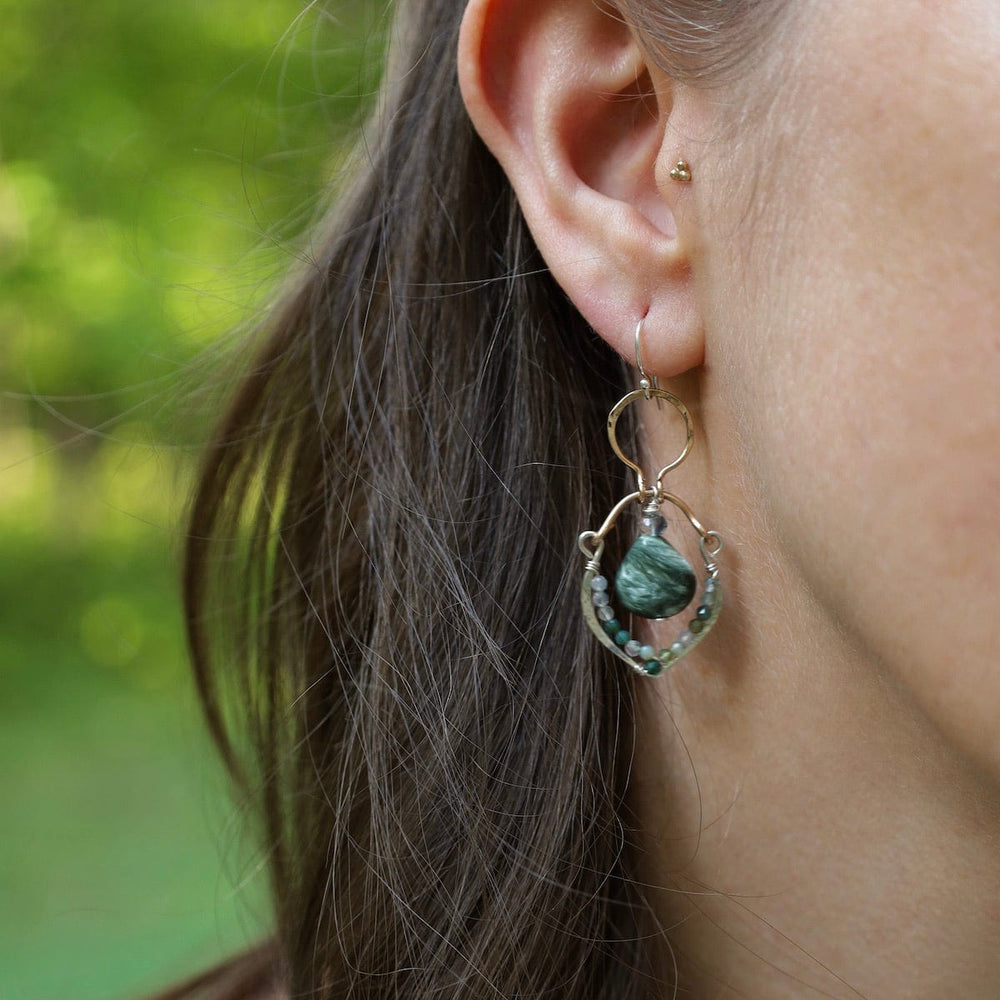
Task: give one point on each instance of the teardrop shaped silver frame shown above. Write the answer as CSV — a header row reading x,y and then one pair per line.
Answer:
x,y
710,545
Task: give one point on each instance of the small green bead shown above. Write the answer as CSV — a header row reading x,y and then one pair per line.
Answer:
x,y
647,653
612,627
622,637
666,657
704,612
653,667
696,625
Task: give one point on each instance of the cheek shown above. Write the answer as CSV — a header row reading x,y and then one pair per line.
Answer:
x,y
876,444
868,370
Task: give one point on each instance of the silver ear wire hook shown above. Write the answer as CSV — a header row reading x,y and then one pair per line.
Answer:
x,y
645,382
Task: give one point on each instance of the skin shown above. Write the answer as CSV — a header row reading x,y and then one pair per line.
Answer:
x,y
818,782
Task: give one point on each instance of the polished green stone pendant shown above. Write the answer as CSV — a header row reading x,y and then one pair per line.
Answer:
x,y
654,579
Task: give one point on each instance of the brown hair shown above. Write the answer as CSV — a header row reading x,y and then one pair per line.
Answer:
x,y
381,584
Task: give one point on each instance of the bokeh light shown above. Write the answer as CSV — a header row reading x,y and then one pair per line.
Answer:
x,y
158,167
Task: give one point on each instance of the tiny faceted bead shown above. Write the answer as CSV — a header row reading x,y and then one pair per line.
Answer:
x,y
695,625
612,626
606,613
622,637
677,648
704,612
632,647
599,583
647,652
601,598
685,638
666,657
653,667
655,524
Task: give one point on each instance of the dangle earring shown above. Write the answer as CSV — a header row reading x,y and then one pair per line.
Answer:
x,y
654,580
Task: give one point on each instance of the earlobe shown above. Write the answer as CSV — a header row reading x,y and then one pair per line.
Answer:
x,y
562,94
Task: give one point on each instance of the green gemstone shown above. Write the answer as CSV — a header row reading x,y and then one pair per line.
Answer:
x,y
612,627
622,637
654,579
653,667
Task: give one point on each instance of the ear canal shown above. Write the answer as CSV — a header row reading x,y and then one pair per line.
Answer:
x,y
614,152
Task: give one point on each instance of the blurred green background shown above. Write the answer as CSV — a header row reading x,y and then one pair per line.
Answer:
x,y
158,166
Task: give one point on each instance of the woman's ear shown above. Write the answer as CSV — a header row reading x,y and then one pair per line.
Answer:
x,y
564,97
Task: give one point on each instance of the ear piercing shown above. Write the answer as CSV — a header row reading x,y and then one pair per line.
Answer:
x,y
681,172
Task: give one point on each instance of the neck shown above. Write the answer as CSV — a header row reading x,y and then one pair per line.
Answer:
x,y
808,831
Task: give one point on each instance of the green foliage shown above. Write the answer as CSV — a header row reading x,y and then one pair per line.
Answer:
x,y
157,166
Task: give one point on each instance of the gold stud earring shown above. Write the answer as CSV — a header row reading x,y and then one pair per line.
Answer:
x,y
681,172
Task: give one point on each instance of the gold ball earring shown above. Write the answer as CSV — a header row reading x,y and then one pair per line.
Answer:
x,y
681,172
